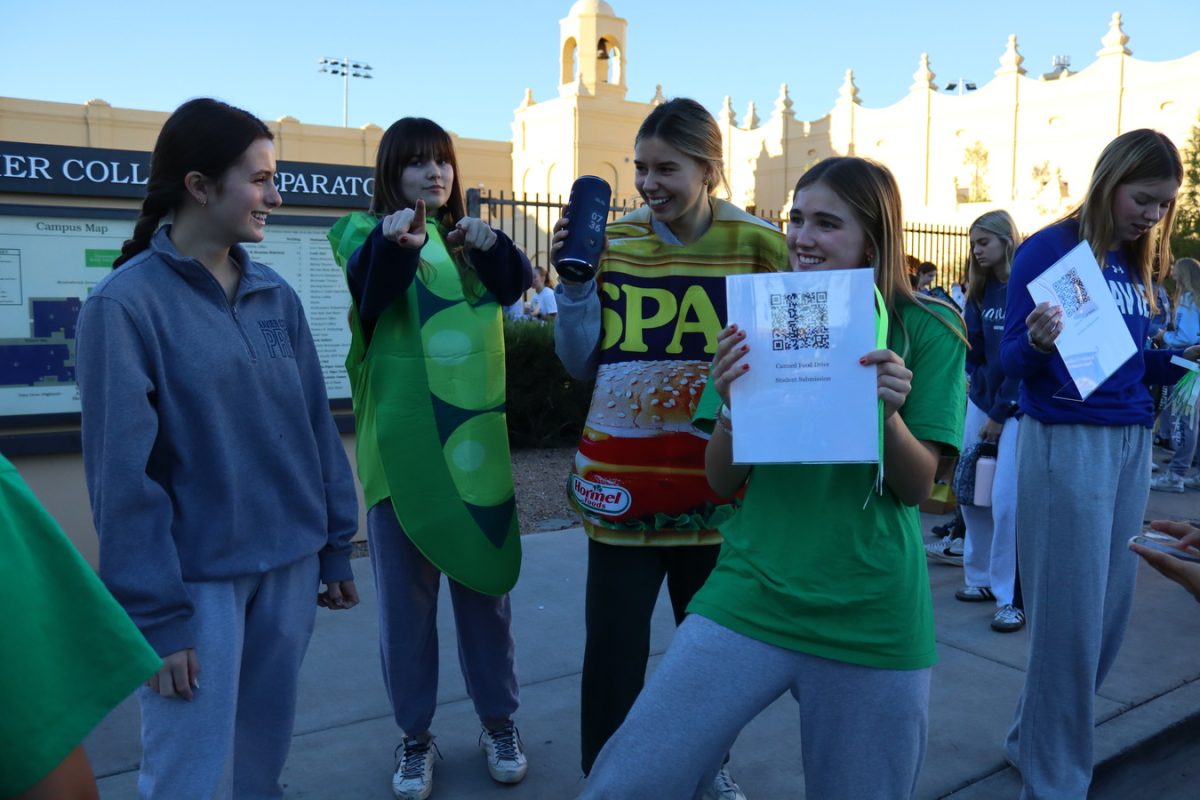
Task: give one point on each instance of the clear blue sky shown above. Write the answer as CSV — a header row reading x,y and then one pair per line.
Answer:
x,y
466,63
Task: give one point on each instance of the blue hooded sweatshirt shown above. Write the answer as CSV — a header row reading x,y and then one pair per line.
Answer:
x,y
208,445
991,390
1123,399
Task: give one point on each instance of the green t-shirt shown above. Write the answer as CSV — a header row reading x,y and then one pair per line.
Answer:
x,y
68,652
806,566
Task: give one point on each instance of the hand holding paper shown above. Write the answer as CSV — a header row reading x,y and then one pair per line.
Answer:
x,y
894,379
1044,324
728,363
1092,338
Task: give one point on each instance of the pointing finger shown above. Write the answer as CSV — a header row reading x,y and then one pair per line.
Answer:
x,y
417,226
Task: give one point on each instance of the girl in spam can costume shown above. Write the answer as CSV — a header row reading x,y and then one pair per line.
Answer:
x,y
427,370
646,329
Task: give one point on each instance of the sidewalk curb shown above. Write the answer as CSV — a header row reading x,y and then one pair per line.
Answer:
x,y
1129,736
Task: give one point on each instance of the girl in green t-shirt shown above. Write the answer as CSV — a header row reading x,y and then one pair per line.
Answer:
x,y
814,592
69,653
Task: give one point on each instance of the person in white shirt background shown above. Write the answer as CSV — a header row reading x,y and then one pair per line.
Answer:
x,y
542,306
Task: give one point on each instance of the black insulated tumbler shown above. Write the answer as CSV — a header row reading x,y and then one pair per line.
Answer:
x,y
587,211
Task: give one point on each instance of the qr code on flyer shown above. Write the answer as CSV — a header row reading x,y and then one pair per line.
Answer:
x,y
800,320
1073,295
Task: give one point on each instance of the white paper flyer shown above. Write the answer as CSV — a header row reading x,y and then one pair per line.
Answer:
x,y
1095,341
805,399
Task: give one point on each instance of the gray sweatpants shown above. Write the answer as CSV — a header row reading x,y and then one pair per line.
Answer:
x,y
1082,490
407,586
232,738
862,730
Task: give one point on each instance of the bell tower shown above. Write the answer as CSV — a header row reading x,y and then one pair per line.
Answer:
x,y
592,46
589,127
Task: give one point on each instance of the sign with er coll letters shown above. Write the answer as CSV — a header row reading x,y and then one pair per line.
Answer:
x,y
805,398
28,168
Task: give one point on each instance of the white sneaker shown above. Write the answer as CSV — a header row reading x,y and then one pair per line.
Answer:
x,y
1008,619
413,779
1167,482
1191,480
948,550
724,787
505,753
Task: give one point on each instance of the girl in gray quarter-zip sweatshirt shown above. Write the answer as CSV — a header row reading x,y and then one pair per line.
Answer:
x,y
219,487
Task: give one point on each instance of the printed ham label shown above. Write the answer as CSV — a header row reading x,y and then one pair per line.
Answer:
x,y
599,497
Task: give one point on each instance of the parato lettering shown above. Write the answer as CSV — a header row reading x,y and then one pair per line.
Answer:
x,y
315,183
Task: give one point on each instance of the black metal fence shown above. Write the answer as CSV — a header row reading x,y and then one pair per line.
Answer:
x,y
947,247
529,219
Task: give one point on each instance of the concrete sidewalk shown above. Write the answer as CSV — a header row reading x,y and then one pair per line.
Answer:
x,y
345,735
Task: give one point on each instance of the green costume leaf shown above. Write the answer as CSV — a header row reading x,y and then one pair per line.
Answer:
x,y
428,396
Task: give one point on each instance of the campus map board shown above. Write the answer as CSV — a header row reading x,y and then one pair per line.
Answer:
x,y
48,265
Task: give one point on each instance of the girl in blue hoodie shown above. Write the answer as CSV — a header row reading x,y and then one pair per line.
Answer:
x,y
1083,476
218,482
990,548
1185,332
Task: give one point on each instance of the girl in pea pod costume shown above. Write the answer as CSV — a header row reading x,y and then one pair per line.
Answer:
x,y
426,364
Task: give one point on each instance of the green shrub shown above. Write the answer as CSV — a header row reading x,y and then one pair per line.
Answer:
x,y
1182,245
546,406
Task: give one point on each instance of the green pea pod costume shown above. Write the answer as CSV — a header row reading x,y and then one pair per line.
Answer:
x,y
428,397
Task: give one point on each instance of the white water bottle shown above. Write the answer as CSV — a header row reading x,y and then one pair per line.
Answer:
x,y
985,472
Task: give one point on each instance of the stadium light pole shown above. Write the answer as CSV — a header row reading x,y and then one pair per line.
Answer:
x,y
347,69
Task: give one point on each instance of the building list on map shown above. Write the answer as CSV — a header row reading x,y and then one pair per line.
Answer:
x,y
303,257
48,265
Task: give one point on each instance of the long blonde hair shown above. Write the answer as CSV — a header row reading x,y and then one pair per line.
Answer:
x,y
1186,273
1138,156
870,190
1001,224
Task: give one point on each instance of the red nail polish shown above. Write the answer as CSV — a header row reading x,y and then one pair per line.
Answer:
x,y
403,240
863,360
745,367
745,347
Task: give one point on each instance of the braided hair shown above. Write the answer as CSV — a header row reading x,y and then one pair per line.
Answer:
x,y
202,135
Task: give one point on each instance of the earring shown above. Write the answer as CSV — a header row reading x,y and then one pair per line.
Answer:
x,y
203,201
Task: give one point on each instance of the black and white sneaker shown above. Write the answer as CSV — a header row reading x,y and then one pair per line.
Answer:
x,y
505,753
1008,619
413,778
947,550
974,594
